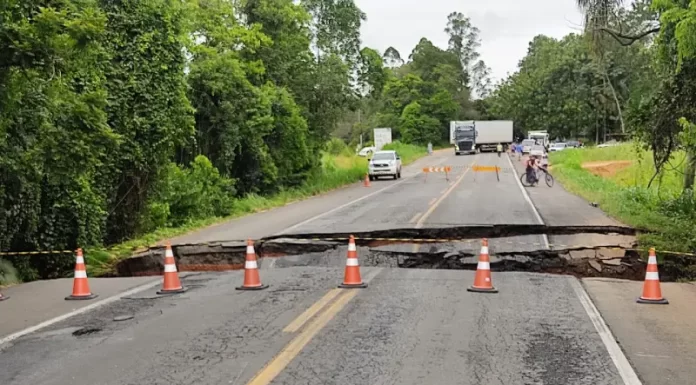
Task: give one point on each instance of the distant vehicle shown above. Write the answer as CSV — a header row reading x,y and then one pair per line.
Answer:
x,y
384,163
542,137
382,137
480,135
558,147
573,144
366,151
611,143
537,150
527,145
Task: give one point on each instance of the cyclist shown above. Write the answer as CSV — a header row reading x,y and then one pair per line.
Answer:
x,y
530,167
499,148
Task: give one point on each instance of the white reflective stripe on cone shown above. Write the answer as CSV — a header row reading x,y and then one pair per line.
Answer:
x,y
352,262
484,249
351,247
168,253
484,266
652,276
170,268
250,265
250,250
79,260
80,274
652,260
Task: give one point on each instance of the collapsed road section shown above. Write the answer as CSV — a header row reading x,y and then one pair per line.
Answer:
x,y
603,251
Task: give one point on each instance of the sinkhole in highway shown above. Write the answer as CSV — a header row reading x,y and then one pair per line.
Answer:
x,y
597,251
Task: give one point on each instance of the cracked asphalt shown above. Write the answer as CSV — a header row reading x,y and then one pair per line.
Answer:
x,y
409,326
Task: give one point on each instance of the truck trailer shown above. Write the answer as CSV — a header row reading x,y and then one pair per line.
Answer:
x,y
472,136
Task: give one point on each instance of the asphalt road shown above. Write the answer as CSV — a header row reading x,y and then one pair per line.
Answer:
x,y
409,326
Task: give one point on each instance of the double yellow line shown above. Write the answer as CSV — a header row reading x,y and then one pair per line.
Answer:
x,y
315,320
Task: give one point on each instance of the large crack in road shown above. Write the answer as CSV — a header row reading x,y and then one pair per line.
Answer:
x,y
614,256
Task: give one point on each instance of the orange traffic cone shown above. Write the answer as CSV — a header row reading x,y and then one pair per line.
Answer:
x,y
367,181
351,277
482,280
3,297
80,284
171,283
651,287
251,270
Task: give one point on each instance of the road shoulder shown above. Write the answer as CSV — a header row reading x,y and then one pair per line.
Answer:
x,y
659,340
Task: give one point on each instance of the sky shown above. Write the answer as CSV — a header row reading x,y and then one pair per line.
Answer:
x,y
507,26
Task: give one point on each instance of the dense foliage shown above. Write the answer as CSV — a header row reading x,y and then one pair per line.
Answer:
x,y
632,74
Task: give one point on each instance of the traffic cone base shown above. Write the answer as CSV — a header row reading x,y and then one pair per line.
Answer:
x,y
252,280
353,286
662,301
79,297
3,297
173,291
482,289
252,287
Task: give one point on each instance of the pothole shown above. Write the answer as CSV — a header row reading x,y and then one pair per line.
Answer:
x,y
86,331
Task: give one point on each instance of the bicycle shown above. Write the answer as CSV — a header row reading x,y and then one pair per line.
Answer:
x,y
548,178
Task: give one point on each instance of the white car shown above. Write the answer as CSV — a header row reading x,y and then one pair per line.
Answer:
x,y
537,150
384,163
558,147
527,145
366,151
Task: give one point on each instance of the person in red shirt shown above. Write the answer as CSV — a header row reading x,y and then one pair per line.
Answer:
x,y
530,165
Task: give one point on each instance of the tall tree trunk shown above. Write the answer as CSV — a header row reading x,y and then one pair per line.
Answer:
x,y
616,100
690,170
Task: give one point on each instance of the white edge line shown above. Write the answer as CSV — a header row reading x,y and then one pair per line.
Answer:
x,y
628,375
529,200
85,309
314,218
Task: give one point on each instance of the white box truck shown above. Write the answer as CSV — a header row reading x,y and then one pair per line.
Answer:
x,y
480,135
382,137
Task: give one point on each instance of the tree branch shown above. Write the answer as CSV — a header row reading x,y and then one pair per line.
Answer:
x,y
627,40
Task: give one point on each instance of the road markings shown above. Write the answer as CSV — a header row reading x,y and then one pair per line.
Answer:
x,y
444,195
85,309
433,201
529,200
311,312
291,350
415,217
314,218
628,375
269,372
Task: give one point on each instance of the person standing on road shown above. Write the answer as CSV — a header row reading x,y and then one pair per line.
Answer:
x,y
500,149
519,152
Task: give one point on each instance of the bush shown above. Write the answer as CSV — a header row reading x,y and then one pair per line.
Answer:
x,y
8,274
336,146
408,152
188,194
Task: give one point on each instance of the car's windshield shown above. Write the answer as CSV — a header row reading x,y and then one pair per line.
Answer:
x,y
383,156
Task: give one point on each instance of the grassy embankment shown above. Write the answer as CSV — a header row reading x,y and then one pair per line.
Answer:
x,y
336,171
622,192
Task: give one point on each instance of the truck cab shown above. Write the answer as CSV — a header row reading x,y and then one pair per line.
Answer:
x,y
464,140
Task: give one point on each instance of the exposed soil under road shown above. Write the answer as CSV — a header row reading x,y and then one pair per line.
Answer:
x,y
420,248
606,169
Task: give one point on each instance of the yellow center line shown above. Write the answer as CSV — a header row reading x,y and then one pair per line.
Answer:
x,y
291,350
415,217
311,312
432,201
443,196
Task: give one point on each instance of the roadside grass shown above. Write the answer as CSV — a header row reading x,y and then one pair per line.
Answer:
x,y
662,209
336,171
